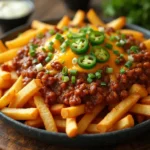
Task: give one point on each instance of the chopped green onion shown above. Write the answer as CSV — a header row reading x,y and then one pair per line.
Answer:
x,y
121,55
74,61
89,80
64,71
91,75
73,79
112,38
50,55
109,70
59,37
47,59
117,61
64,45
130,58
47,72
32,53
122,71
103,84
134,49
108,45
39,67
43,49
123,36
120,43
40,35
52,32
32,49
50,46
116,52
65,78
73,72
34,61
98,75
128,64
65,28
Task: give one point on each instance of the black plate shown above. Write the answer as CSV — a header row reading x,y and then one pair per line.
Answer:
x,y
81,140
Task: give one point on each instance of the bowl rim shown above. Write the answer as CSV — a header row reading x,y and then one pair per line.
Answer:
x,y
138,127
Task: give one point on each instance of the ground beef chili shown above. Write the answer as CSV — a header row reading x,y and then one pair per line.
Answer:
x,y
56,91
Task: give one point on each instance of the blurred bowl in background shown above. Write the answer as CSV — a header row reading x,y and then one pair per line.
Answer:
x,y
77,4
14,13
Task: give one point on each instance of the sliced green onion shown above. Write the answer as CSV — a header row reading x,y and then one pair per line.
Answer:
x,y
34,61
47,59
64,45
73,79
64,71
91,75
121,55
65,28
103,84
120,43
117,61
122,71
65,78
32,49
128,64
50,55
59,37
47,72
98,75
89,80
52,32
73,72
134,49
112,38
74,61
123,36
108,45
130,58
109,70
39,67
50,46
43,49
116,52
40,35
32,53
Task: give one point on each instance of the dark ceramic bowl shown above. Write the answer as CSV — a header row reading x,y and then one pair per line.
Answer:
x,y
8,24
85,140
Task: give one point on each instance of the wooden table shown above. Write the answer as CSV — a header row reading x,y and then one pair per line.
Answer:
x,y
10,139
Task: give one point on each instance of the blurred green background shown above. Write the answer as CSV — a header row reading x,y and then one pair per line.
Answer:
x,y
136,11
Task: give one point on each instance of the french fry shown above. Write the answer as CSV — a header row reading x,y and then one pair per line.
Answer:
x,y
147,44
8,96
21,113
26,33
92,128
4,75
137,88
37,25
117,23
26,93
141,109
45,114
5,84
145,100
71,127
63,22
60,124
8,55
136,34
73,111
117,113
2,47
38,123
56,109
94,19
124,123
23,40
14,76
78,18
88,118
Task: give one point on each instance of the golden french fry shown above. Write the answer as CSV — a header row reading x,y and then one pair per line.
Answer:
x,y
117,23
117,113
4,75
124,123
63,22
5,84
145,100
45,114
71,127
139,89
92,128
8,55
60,124
88,118
37,25
147,43
78,18
23,40
73,111
21,113
9,95
141,109
14,76
26,93
26,33
94,19
56,109
38,123
136,34
2,47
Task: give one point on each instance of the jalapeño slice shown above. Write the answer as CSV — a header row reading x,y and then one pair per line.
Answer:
x,y
87,61
79,46
96,37
101,54
76,35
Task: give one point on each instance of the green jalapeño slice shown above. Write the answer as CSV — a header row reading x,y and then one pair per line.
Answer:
x,y
101,54
87,61
96,37
79,46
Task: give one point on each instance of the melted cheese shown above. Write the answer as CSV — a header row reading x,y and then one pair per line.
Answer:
x,y
66,57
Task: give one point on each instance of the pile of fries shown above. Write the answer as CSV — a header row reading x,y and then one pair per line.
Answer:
x,y
25,102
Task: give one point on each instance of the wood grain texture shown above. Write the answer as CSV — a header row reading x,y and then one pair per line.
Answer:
x,y
10,139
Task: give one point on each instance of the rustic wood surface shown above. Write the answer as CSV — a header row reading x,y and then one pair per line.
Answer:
x,y
10,139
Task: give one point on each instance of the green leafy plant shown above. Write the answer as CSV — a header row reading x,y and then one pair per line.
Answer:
x,y
136,11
